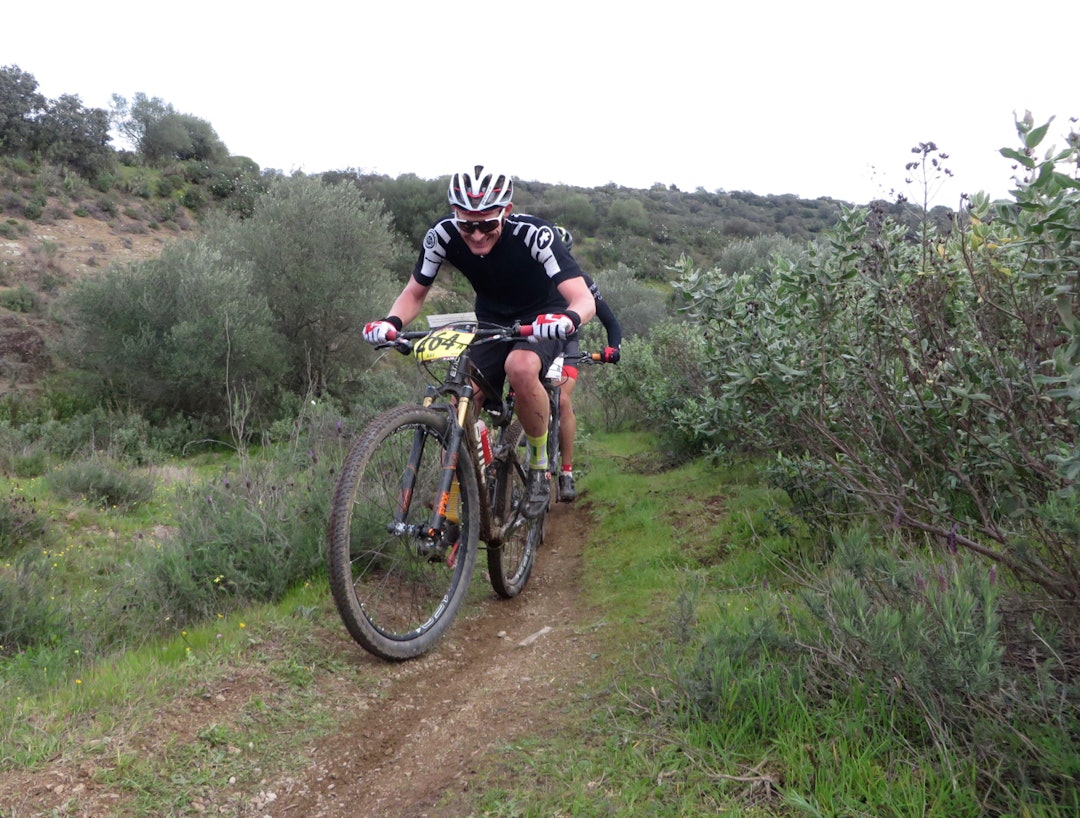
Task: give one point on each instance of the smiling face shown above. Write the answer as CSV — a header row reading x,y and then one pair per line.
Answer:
x,y
481,228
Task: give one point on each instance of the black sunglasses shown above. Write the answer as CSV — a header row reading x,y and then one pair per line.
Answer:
x,y
485,226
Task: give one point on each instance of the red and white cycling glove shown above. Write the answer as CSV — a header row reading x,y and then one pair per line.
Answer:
x,y
378,332
554,325
610,355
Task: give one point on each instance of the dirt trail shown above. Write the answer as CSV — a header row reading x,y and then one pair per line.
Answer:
x,y
500,674
407,747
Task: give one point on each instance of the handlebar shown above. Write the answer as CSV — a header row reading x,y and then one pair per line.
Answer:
x,y
514,331
587,358
400,339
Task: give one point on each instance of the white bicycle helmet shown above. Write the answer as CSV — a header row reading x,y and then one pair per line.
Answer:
x,y
565,235
480,189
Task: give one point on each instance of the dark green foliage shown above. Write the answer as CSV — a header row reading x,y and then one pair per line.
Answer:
x,y
657,379
644,231
19,299
413,202
20,103
638,306
77,137
162,134
62,130
930,638
134,119
628,214
757,254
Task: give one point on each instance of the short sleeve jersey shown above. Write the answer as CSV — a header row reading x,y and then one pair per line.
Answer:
x,y
516,281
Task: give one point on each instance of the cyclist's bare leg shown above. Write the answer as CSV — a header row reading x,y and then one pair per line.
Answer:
x,y
531,404
530,397
567,431
567,421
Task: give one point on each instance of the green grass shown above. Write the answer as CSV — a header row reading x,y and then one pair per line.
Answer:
x,y
103,713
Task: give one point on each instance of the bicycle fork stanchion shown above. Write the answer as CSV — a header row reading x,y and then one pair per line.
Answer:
x,y
408,485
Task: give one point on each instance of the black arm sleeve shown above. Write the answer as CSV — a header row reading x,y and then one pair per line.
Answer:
x,y
610,322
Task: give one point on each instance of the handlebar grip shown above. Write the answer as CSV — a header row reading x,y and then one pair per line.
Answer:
x,y
525,330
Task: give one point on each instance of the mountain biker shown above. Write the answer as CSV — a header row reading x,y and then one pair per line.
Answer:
x,y
519,272
610,355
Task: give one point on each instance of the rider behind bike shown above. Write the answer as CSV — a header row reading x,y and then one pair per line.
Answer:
x,y
519,273
610,355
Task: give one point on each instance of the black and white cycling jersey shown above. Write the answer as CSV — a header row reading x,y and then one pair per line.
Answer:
x,y
517,280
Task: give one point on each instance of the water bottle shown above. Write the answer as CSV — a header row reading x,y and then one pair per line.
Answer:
x,y
483,442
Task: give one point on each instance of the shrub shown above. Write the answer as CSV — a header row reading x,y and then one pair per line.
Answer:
x,y
934,375
28,614
657,379
101,484
637,306
253,533
19,299
171,333
318,255
930,638
103,182
20,524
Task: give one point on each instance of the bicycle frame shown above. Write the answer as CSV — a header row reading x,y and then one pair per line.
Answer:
x,y
459,392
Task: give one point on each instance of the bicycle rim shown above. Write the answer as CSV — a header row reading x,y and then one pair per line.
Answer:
x,y
510,561
396,593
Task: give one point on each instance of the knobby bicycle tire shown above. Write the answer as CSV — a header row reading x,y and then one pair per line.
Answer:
x,y
396,593
510,561
554,449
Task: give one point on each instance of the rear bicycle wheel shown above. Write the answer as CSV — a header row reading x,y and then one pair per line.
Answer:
x,y
510,561
554,449
397,591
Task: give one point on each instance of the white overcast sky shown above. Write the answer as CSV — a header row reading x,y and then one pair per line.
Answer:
x,y
821,98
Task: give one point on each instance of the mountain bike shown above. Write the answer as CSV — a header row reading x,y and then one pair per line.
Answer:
x,y
422,486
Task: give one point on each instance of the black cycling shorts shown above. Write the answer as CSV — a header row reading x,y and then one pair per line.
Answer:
x,y
490,359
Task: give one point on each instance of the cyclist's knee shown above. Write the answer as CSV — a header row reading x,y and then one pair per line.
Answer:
x,y
522,365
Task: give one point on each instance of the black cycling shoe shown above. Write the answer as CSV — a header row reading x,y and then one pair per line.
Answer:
x,y
567,493
537,493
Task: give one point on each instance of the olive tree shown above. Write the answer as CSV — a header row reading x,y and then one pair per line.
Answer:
x,y
320,255
181,333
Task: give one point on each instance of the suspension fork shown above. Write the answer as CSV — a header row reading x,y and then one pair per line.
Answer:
x,y
448,487
441,510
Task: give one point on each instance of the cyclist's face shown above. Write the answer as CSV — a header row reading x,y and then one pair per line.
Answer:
x,y
472,225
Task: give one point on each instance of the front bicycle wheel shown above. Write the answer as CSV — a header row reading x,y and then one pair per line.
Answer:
x,y
510,560
398,590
